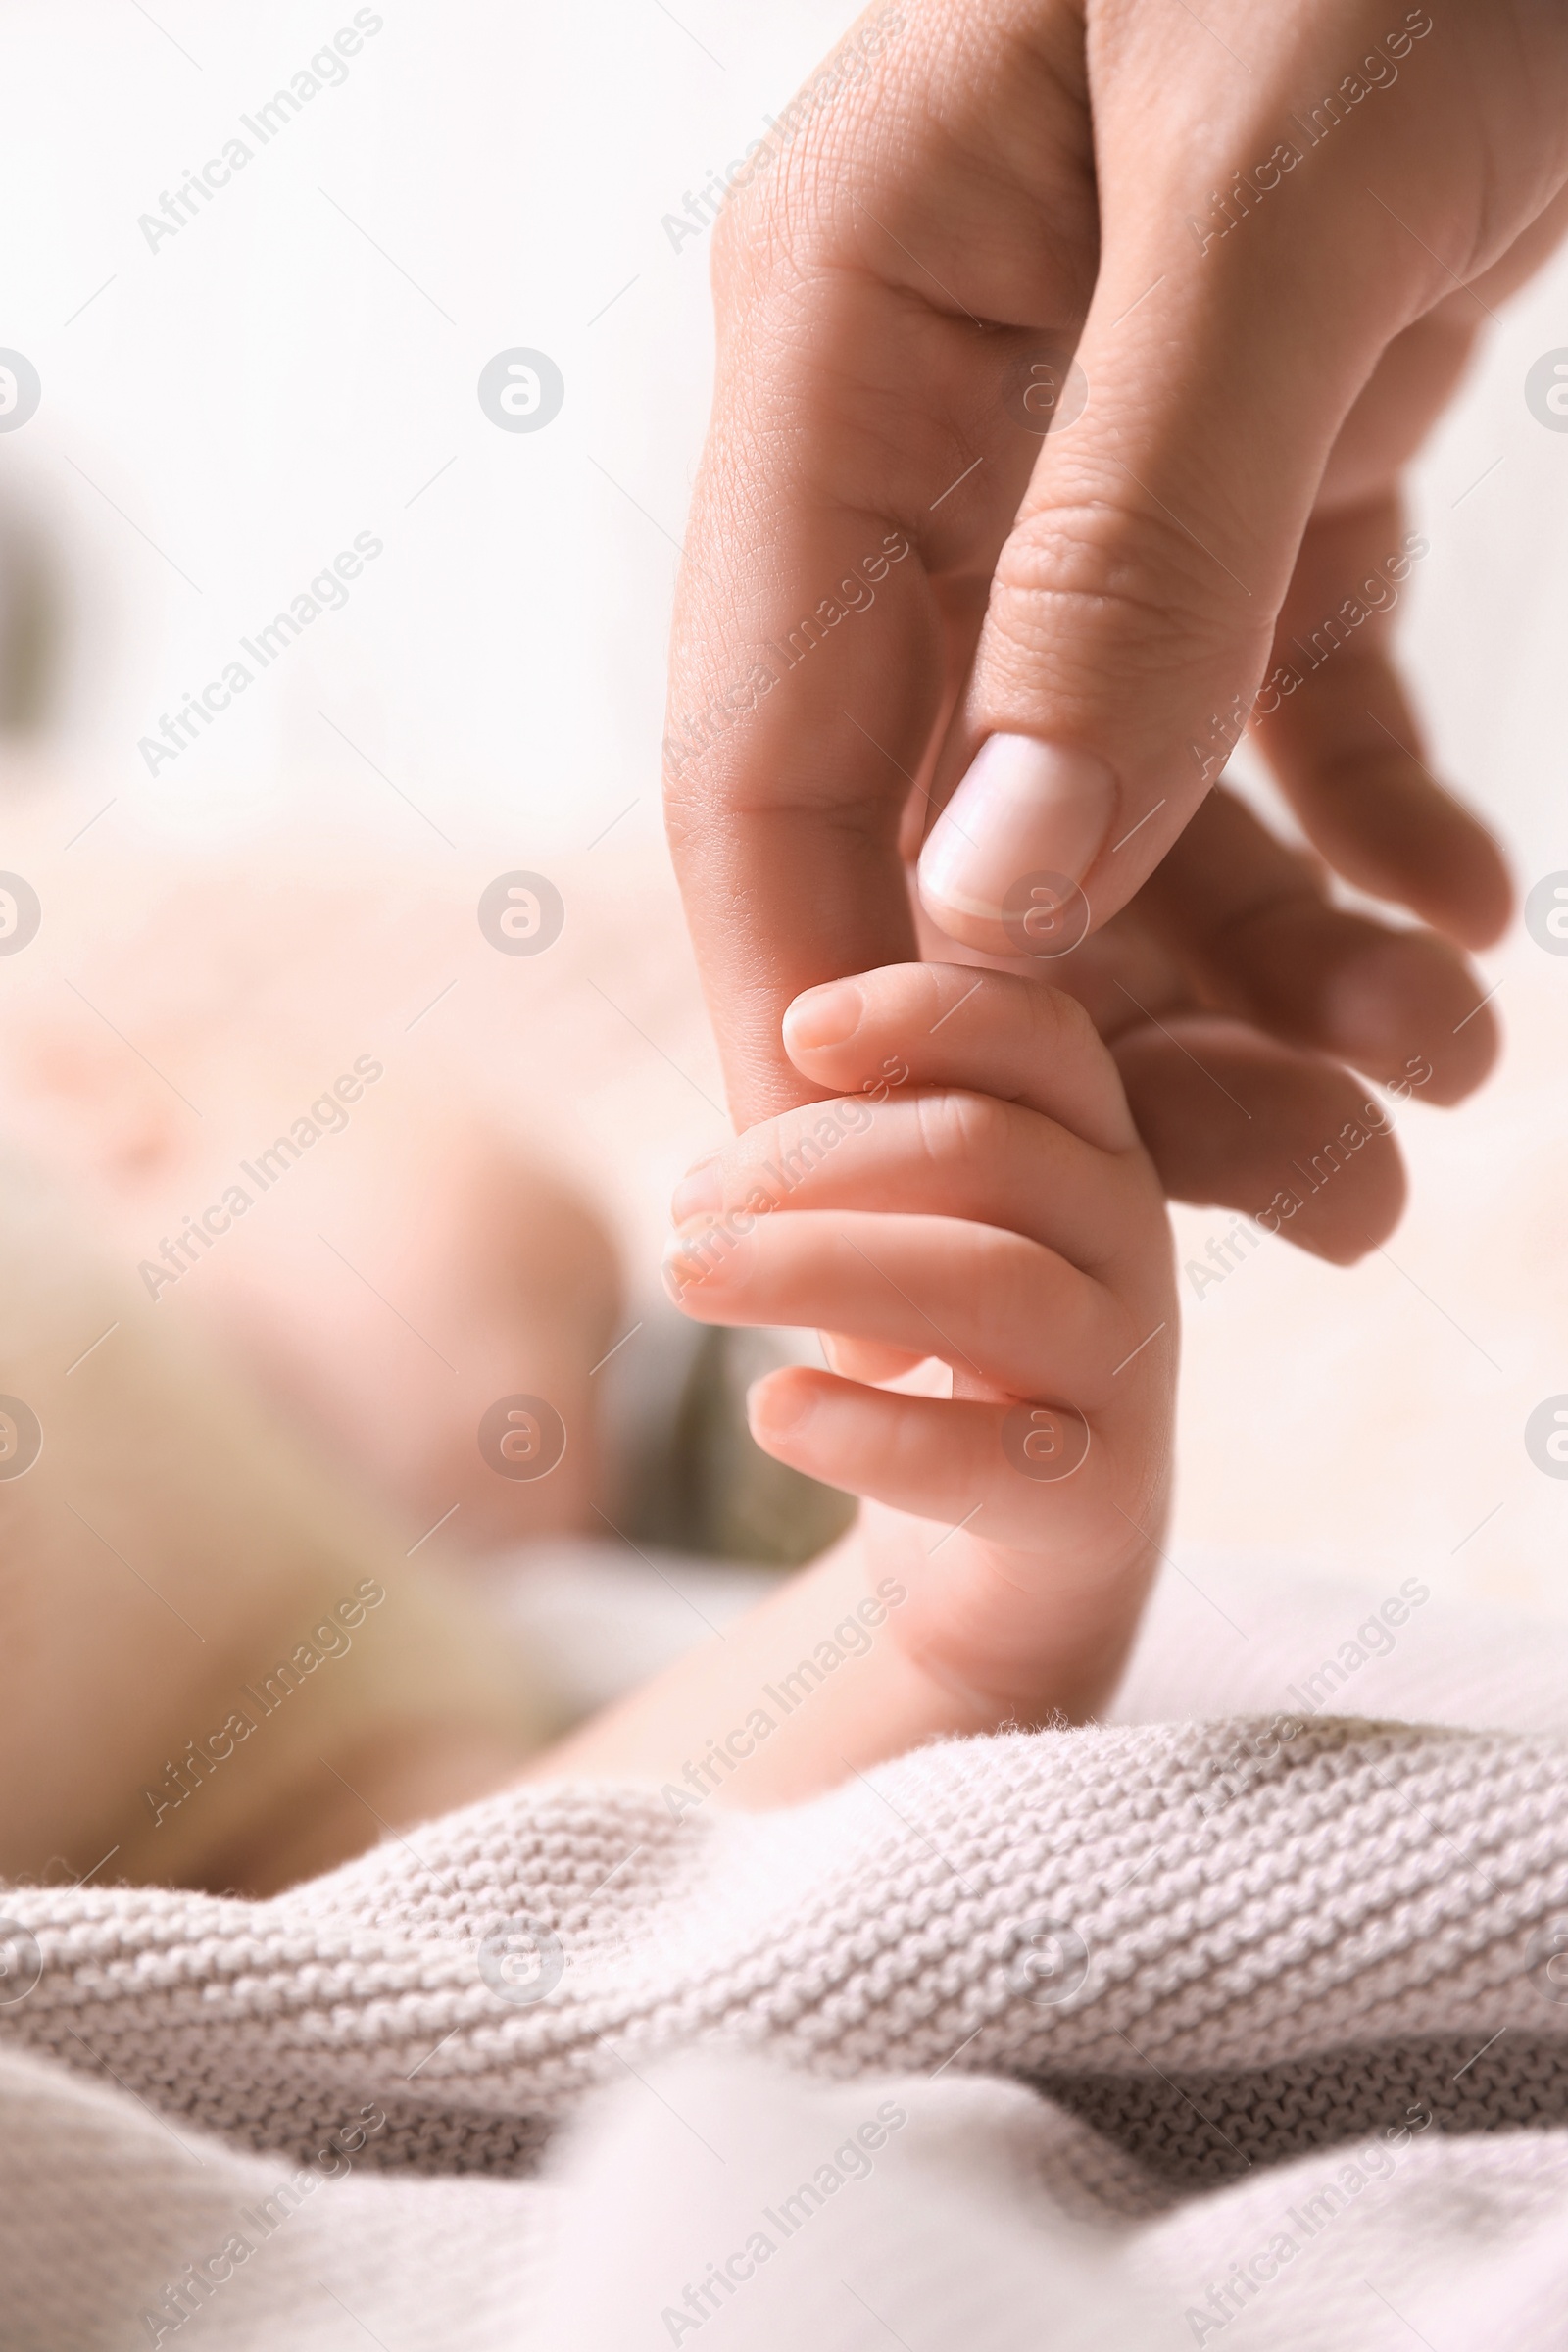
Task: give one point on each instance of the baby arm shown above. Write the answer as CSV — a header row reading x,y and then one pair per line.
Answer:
x,y
973,1218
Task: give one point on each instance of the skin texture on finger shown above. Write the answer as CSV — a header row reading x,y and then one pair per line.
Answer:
x,y
1336,729
1252,926
1040,1602
935,1634
1118,974
1413,382
814,866
872,1360
974,1157
879,1702
1233,1120
864,383
936,1459
996,1306
806,689
1015,1038
872,320
1230,1117
1137,595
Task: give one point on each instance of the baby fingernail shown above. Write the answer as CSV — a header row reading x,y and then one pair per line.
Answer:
x,y
824,1016
777,1408
1026,811
699,1192
691,1256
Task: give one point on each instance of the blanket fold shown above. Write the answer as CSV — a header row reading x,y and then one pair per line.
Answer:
x,y
1106,1911
1253,2027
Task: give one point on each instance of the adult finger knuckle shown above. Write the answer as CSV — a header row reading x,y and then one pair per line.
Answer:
x,y
1103,589
777,225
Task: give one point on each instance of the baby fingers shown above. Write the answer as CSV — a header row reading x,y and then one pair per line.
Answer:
x,y
1028,1478
953,1151
989,1302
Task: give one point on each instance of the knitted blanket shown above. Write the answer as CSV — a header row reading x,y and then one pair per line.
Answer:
x,y
1157,2032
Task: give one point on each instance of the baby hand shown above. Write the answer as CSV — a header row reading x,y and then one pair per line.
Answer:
x,y
976,1229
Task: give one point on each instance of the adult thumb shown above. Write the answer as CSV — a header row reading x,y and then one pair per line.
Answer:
x,y
1133,606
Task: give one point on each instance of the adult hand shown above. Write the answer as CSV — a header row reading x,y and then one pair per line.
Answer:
x,y
1237,256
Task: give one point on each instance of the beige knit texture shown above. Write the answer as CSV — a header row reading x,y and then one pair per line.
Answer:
x,y
1209,1973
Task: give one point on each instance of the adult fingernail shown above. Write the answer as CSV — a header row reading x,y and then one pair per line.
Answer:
x,y
699,1192
1026,813
824,1016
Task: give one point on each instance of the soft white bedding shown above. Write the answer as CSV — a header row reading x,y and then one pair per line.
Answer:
x,y
1146,2033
